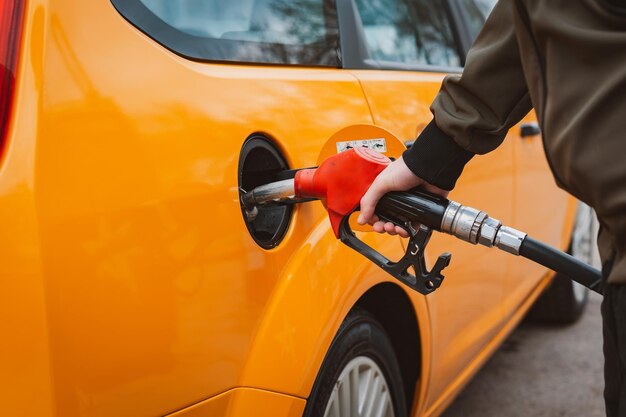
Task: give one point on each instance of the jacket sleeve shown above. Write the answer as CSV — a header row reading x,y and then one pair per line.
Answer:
x,y
474,111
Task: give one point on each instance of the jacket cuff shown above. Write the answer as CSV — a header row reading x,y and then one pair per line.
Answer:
x,y
436,158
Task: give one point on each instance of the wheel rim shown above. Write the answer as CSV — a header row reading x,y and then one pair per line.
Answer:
x,y
360,391
585,232
583,243
579,292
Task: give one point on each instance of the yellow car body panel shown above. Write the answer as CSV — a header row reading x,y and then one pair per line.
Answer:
x,y
550,216
131,284
246,402
25,353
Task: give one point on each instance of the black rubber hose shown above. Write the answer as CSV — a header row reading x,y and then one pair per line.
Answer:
x,y
561,262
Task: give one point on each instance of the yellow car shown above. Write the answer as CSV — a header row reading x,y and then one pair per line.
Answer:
x,y
132,283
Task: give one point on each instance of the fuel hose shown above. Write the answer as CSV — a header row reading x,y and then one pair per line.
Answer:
x,y
561,262
418,206
476,227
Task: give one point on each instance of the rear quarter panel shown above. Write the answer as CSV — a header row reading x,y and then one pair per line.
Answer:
x,y
144,291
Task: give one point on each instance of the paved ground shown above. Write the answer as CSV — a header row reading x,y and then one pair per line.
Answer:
x,y
541,371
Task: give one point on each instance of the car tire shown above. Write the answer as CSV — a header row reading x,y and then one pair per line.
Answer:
x,y
564,300
360,373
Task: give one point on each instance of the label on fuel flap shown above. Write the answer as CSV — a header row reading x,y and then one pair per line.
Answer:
x,y
379,145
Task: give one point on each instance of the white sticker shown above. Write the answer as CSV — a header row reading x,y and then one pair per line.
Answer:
x,y
379,145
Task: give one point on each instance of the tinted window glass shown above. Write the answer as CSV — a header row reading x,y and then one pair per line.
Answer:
x,y
411,32
302,32
476,12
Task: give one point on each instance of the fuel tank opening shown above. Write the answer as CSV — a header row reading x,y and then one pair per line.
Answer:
x,y
260,162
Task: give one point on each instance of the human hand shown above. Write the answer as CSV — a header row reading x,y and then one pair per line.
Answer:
x,y
396,177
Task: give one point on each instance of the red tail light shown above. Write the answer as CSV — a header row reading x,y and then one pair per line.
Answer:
x,y
11,16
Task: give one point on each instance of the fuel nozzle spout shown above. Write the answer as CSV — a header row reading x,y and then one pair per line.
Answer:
x,y
274,192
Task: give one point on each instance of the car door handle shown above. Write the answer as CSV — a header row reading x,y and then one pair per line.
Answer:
x,y
529,129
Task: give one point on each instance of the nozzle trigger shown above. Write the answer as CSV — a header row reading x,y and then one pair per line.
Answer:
x,y
423,280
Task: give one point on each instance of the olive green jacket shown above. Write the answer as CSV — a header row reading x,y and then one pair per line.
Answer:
x,y
567,58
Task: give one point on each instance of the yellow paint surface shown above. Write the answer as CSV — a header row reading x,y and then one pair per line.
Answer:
x,y
130,284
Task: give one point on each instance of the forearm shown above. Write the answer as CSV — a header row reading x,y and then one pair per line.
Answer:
x,y
474,111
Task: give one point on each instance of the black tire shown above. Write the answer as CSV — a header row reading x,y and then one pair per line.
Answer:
x,y
564,301
560,303
360,335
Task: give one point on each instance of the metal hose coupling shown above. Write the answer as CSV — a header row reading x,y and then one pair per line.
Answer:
x,y
475,226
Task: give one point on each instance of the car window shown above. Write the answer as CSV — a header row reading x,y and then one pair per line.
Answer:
x,y
411,32
476,12
301,32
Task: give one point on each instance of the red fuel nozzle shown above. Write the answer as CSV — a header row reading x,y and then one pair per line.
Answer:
x,y
340,181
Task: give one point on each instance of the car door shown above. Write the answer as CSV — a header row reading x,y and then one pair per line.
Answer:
x,y
407,48
540,206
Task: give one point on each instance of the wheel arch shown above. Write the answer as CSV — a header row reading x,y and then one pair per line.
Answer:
x,y
314,295
392,307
